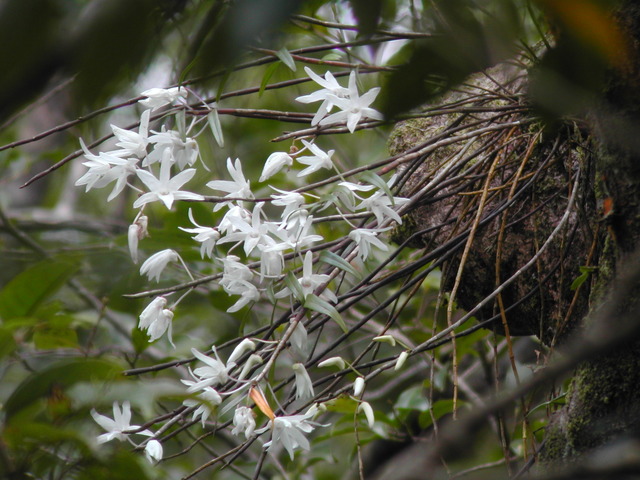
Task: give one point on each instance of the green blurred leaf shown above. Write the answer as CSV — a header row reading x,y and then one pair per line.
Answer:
x,y
139,339
433,280
286,58
267,76
20,322
466,39
337,261
440,408
292,282
589,22
7,343
40,434
113,41
49,338
122,465
315,303
413,398
22,295
343,404
216,129
61,374
29,49
468,344
230,27
368,14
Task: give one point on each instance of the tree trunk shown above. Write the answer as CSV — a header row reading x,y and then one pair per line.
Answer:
x,y
604,403
602,231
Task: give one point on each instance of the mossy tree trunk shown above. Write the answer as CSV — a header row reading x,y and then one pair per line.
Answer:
x,y
603,407
603,229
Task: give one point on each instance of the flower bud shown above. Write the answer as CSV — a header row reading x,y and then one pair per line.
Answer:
x,y
251,362
132,237
401,359
368,411
358,386
386,339
244,346
333,362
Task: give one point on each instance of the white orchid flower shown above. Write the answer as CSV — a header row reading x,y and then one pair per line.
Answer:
x,y
118,428
243,421
165,188
353,106
304,386
156,263
275,163
366,239
153,451
239,187
159,97
319,159
207,236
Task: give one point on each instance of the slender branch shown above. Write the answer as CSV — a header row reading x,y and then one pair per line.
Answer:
x,y
342,26
599,339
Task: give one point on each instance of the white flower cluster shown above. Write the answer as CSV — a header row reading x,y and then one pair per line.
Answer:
x,y
353,107
164,161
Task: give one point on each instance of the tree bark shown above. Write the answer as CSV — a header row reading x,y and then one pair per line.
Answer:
x,y
603,407
603,232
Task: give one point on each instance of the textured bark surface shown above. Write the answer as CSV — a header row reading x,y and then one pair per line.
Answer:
x,y
603,407
603,230
534,173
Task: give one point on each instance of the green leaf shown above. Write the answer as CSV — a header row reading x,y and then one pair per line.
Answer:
x,y
181,122
413,398
7,343
585,272
315,303
122,465
333,57
337,261
554,402
48,338
375,180
22,295
286,58
343,404
139,339
440,408
234,27
267,76
216,128
294,285
22,432
62,375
